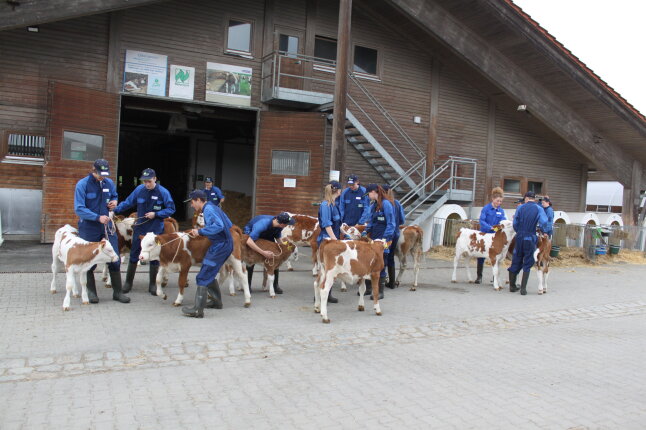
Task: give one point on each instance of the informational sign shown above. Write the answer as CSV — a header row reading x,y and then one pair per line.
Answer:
x,y
228,84
145,73
182,82
289,183
335,175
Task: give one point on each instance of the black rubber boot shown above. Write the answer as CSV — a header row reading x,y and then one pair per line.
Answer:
x,y
391,277
197,311
152,280
249,276
512,282
382,285
368,287
331,299
117,293
479,272
523,283
214,292
277,289
91,287
130,276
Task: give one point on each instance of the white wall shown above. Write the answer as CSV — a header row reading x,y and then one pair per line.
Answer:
x,y
603,193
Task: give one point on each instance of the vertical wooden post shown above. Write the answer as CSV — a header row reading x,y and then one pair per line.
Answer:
x,y
491,147
583,190
435,108
337,153
311,12
113,78
631,195
268,33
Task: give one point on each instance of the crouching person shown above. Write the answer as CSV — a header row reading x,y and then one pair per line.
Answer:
x,y
216,228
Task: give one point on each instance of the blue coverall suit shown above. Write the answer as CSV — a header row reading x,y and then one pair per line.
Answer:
x,y
91,199
329,216
527,218
214,195
400,219
354,206
157,200
490,216
549,227
382,225
216,228
262,227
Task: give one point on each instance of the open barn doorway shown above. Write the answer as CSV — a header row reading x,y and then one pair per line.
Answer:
x,y
185,143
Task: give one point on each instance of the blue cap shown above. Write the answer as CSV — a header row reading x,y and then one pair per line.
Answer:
x,y
208,179
386,187
147,174
371,187
353,179
530,194
196,194
335,185
285,218
102,167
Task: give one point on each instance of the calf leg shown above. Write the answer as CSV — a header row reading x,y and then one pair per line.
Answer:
x,y
456,261
269,283
416,258
539,273
344,287
82,276
289,266
317,292
52,287
375,292
69,284
181,282
159,282
362,289
106,278
545,276
403,265
325,288
469,278
238,272
494,269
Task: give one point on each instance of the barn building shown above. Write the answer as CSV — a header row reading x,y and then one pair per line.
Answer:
x,y
444,99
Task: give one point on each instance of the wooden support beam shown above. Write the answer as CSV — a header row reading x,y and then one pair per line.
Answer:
x,y
311,14
268,28
32,12
631,195
337,155
540,101
434,115
491,143
583,188
113,78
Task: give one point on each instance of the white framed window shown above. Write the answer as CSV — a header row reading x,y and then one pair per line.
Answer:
x,y
82,146
239,37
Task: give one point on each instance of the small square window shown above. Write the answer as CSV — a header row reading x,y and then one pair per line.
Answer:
x,y
511,186
365,60
295,163
325,48
239,37
536,187
287,43
82,146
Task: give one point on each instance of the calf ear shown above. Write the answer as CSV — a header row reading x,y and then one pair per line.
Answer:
x,y
102,244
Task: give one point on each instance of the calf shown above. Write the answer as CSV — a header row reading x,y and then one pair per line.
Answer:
x,y
78,256
410,242
473,243
351,262
304,231
542,259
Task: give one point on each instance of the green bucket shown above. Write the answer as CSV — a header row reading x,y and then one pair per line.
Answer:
x,y
614,249
554,252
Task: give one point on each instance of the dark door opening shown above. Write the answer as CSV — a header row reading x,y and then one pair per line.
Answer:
x,y
185,143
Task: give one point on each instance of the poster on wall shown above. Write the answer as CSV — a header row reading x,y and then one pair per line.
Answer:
x,y
145,73
228,84
182,82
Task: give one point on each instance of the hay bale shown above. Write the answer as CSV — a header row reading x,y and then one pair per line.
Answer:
x,y
237,206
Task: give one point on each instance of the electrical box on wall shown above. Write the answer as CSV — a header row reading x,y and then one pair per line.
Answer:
x,y
417,119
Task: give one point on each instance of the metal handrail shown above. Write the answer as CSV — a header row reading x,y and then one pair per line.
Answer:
x,y
408,197
421,163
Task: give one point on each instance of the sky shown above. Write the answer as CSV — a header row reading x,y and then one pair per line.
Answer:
x,y
607,35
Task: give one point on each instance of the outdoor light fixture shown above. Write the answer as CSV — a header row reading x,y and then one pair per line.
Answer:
x,y
33,29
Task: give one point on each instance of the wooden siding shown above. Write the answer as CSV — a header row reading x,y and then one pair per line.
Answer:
x,y
81,110
291,131
20,176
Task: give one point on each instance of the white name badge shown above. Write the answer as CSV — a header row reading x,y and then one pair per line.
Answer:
x,y
106,190
358,198
153,197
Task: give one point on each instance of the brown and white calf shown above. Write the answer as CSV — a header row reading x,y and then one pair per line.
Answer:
x,y
352,262
475,244
77,256
177,252
410,243
304,231
542,259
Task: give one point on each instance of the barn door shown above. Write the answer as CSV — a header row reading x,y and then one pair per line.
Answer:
x,y
290,43
82,126
290,165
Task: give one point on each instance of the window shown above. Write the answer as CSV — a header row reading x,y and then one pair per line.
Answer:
x,y
511,186
290,163
536,187
82,146
239,37
325,48
287,43
25,145
365,60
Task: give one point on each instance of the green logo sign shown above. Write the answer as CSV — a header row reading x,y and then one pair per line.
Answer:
x,y
181,76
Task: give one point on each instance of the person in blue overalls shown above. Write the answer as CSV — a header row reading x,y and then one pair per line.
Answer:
x,y
94,196
330,219
269,228
354,204
213,193
400,219
490,216
216,228
546,203
153,203
528,216
381,225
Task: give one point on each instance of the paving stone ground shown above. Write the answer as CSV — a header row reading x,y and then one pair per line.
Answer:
x,y
446,356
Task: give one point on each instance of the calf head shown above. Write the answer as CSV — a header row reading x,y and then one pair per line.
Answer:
x,y
353,232
125,226
106,253
150,247
198,219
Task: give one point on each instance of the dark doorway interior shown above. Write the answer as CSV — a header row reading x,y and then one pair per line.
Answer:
x,y
184,143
